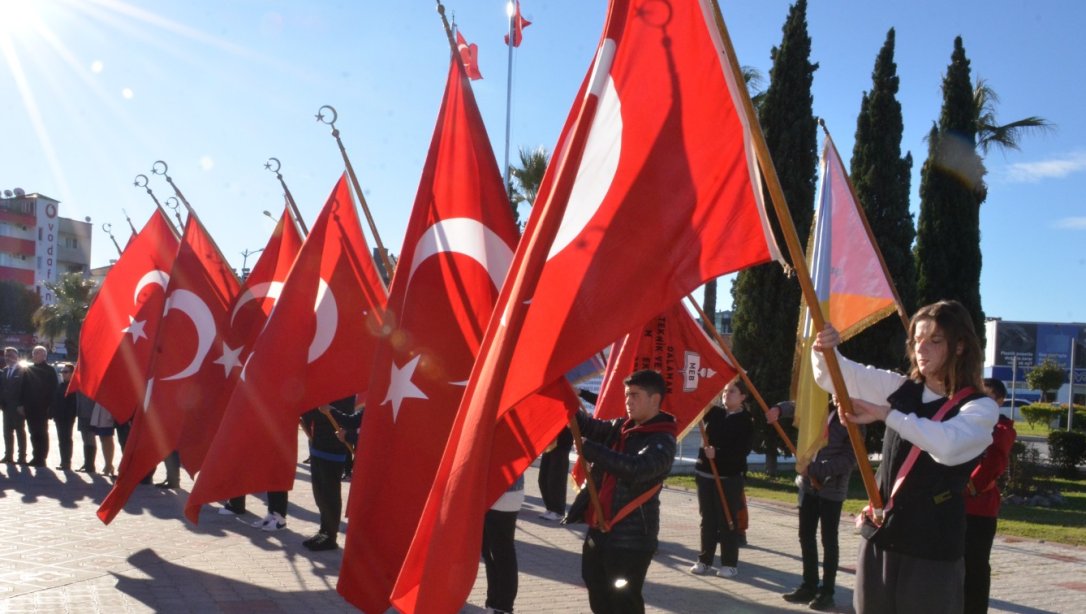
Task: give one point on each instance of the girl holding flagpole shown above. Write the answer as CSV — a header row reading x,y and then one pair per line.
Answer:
x,y
938,422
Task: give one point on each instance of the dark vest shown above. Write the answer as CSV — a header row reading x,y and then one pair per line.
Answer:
x,y
928,516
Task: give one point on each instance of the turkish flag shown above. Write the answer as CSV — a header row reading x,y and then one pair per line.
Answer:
x,y
517,24
247,315
469,55
652,191
183,377
119,330
456,253
317,346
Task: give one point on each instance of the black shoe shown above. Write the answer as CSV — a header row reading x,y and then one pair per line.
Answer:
x,y
37,462
823,602
7,460
320,542
168,484
63,467
22,461
802,594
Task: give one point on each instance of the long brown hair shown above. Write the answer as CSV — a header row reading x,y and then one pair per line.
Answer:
x,y
953,321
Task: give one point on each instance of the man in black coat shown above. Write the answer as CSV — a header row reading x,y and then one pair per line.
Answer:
x,y
328,452
635,455
11,390
39,384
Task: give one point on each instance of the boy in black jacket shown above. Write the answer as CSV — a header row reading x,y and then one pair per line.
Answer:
x,y
639,457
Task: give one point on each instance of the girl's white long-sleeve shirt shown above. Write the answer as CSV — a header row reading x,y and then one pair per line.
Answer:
x,y
950,442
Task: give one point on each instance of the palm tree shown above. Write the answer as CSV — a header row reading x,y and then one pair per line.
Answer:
x,y
527,177
64,318
989,132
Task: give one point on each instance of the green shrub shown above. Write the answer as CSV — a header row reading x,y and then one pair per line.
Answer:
x,y
1040,413
1067,449
1022,470
1079,423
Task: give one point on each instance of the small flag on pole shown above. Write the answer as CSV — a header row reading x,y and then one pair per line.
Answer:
x,y
469,55
517,26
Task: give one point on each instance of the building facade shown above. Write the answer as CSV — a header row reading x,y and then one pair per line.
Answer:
x,y
1013,348
37,245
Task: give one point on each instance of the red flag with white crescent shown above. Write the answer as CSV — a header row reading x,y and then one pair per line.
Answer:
x,y
183,377
119,331
457,250
316,347
247,315
469,55
652,191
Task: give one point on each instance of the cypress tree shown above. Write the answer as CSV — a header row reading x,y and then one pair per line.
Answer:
x,y
881,177
948,259
766,302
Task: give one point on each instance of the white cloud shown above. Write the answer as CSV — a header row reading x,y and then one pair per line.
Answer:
x,y
1055,168
1071,223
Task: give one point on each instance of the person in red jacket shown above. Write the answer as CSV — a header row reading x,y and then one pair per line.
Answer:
x,y
982,501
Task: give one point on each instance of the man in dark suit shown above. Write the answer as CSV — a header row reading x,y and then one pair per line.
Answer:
x,y
11,390
39,385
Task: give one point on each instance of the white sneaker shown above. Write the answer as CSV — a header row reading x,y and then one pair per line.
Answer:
x,y
549,515
728,572
701,569
263,522
275,522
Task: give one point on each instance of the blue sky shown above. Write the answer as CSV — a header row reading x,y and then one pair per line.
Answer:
x,y
95,91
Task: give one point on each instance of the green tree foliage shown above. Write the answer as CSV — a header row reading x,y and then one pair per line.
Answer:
x,y
881,177
17,307
952,187
524,180
1046,377
948,259
64,318
766,301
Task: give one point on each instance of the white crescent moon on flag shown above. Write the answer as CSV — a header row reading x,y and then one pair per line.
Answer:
x,y
151,277
327,320
467,236
602,151
268,289
195,308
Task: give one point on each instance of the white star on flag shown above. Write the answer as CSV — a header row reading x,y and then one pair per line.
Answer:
x,y
401,387
230,359
135,328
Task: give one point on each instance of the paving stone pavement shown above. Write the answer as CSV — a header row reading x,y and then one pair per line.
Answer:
x,y
56,556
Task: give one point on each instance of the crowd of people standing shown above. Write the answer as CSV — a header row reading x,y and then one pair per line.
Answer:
x,y
942,453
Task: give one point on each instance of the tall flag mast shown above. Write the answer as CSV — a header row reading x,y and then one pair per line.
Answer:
x,y
512,39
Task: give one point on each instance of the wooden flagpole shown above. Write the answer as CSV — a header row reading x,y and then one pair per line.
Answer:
x,y
799,263
381,251
867,227
716,479
742,372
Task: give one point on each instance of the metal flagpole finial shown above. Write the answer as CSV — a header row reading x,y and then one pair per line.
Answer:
x,y
108,228
176,206
161,168
324,120
274,165
141,181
